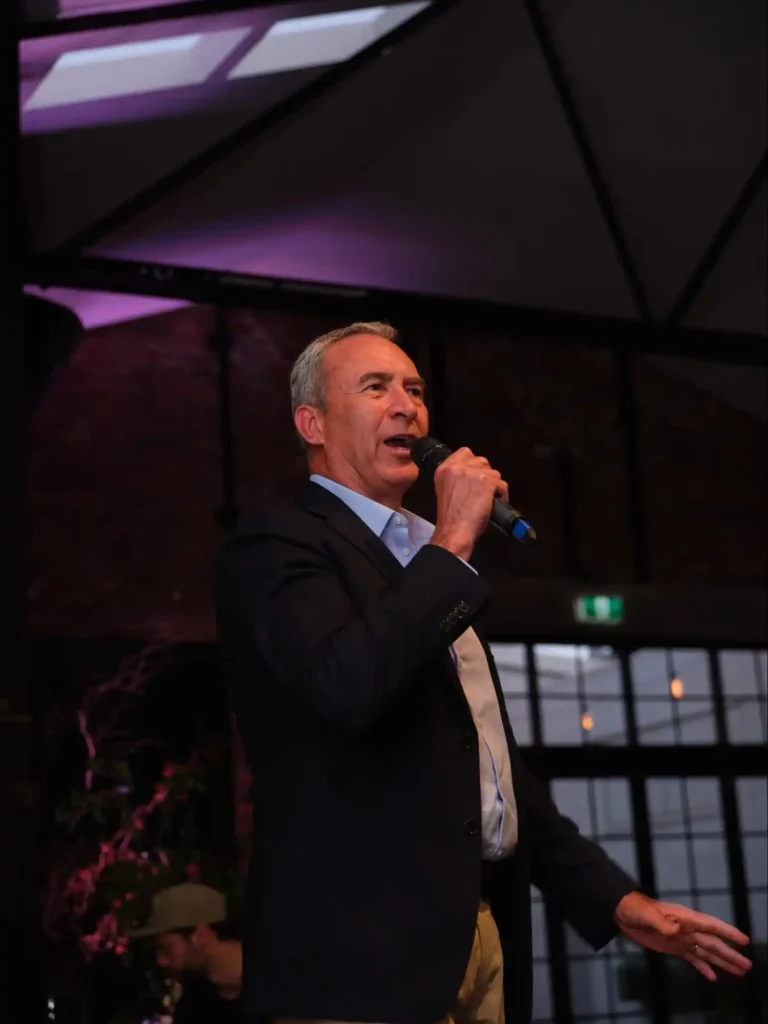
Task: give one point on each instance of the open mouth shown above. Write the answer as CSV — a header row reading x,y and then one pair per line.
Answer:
x,y
400,442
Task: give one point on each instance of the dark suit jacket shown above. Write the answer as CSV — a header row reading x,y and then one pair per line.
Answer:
x,y
366,868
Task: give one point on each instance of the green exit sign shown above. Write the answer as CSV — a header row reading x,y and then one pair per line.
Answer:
x,y
607,610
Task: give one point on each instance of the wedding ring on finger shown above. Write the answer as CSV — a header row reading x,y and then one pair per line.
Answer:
x,y
697,950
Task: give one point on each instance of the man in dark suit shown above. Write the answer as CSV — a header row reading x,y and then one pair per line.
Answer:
x,y
396,829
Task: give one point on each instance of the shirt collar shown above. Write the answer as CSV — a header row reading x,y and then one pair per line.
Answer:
x,y
375,515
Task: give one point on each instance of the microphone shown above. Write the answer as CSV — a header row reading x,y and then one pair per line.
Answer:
x,y
428,453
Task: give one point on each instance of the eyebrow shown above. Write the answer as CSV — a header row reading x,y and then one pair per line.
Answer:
x,y
387,378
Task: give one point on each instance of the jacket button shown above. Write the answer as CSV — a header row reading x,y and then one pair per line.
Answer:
x,y
466,741
471,827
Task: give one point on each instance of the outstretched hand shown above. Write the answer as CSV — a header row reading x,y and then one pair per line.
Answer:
x,y
669,928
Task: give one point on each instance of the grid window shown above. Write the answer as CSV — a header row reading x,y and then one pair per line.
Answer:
x,y
673,697
600,807
580,694
689,849
580,701
513,675
743,677
752,797
599,981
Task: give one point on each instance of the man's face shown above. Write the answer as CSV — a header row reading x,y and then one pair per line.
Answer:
x,y
374,404
176,954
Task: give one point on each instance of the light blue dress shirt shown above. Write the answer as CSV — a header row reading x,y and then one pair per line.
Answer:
x,y
404,534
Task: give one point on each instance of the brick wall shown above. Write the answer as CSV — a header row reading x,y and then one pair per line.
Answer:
x,y
124,471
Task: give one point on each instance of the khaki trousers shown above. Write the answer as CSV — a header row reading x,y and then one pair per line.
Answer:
x,y
481,996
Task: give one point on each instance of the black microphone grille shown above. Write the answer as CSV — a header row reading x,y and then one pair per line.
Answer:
x,y
429,449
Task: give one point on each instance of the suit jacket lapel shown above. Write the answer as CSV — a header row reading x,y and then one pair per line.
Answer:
x,y
320,502
342,519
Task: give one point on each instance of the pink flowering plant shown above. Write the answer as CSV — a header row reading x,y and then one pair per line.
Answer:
x,y
128,828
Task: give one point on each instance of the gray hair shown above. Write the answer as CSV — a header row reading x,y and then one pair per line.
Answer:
x,y
308,373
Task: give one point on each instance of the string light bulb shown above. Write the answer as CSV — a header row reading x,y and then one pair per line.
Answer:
x,y
676,687
587,722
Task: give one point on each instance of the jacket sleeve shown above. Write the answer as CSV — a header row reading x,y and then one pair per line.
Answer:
x,y
572,871
282,605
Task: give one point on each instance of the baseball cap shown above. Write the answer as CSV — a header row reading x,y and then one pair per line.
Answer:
x,y
183,906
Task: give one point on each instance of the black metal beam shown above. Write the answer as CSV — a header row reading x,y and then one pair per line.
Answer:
x,y
147,15
593,761
247,133
591,166
717,245
210,287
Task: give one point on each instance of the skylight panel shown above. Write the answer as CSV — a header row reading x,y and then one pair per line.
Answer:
x,y
321,39
132,69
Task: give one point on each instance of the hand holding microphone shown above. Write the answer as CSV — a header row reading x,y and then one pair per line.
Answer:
x,y
470,494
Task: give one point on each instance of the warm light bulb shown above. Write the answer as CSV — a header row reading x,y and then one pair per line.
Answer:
x,y
587,722
676,688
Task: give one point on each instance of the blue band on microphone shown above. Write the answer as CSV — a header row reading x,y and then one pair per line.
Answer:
x,y
520,529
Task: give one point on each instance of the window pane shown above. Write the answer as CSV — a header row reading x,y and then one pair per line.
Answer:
x,y
718,905
621,851
745,720
561,721
704,805
758,911
761,660
756,861
678,806
752,796
697,722
710,858
511,664
608,721
602,673
589,987
539,930
513,675
671,859
613,810
542,1000
654,723
519,711
573,799
740,672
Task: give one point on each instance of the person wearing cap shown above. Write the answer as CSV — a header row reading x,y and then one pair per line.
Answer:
x,y
194,944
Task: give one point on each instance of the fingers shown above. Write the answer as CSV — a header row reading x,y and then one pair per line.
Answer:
x,y
701,966
692,920
463,462
717,953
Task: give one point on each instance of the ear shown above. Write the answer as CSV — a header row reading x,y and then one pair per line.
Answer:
x,y
309,423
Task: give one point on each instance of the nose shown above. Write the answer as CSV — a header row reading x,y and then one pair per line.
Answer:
x,y
403,404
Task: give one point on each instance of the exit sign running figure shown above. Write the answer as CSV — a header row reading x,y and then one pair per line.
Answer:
x,y
600,608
